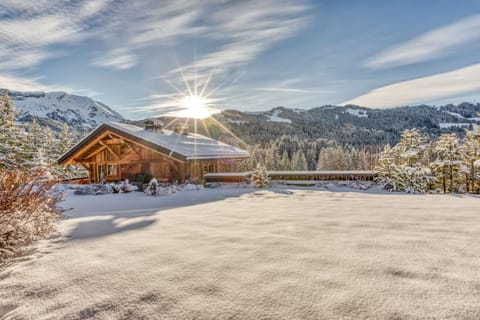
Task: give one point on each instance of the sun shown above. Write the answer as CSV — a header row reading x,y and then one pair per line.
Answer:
x,y
196,107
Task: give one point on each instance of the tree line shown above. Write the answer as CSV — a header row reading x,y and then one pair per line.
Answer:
x,y
29,145
416,164
291,153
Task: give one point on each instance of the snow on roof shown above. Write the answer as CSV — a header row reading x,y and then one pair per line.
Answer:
x,y
191,145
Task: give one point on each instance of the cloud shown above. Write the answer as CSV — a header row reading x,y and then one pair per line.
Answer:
x,y
422,90
21,84
15,83
294,90
244,36
229,34
429,45
119,59
29,30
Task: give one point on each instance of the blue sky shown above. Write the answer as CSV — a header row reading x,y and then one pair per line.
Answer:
x,y
138,56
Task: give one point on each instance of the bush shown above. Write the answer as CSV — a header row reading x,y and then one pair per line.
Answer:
x,y
28,208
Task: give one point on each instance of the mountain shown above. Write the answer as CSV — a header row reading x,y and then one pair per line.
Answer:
x,y
351,124
354,125
56,108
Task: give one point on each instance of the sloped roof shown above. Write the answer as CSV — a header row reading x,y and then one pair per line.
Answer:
x,y
189,146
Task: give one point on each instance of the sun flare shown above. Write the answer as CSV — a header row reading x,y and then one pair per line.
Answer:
x,y
196,107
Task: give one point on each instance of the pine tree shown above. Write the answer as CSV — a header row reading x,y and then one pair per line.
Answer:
x,y
403,167
311,156
470,155
66,140
299,162
12,137
260,177
387,171
285,164
49,144
271,158
448,161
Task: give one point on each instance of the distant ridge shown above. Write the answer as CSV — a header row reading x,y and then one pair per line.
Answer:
x,y
56,108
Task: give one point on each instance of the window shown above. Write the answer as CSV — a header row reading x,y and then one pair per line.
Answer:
x,y
101,172
112,170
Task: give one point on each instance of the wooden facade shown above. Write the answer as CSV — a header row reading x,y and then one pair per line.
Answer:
x,y
108,154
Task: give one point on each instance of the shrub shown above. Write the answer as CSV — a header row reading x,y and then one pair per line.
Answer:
x,y
28,208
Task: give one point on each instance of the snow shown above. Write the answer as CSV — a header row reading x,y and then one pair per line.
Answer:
x,y
283,253
191,145
275,118
455,114
357,113
237,121
452,124
73,109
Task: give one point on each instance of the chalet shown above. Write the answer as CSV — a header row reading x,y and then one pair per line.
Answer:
x,y
117,151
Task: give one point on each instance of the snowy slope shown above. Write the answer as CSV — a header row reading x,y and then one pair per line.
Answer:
x,y
244,253
76,111
274,117
357,112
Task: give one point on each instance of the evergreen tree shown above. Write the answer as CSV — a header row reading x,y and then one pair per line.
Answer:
x,y
299,162
470,155
403,167
12,137
448,161
285,162
66,140
271,158
49,144
260,177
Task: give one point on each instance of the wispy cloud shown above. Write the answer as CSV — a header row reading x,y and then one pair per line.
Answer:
x,y
29,32
120,59
237,32
12,82
294,90
422,90
429,45
15,83
244,36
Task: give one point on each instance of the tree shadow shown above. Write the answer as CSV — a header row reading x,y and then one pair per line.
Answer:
x,y
100,216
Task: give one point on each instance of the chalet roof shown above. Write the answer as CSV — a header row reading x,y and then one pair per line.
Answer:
x,y
189,146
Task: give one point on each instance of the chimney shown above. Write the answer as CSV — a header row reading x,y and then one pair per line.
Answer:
x,y
181,129
154,125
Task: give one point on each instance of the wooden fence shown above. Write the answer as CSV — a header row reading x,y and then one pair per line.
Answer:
x,y
360,175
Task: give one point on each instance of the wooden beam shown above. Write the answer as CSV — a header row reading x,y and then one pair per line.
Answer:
x,y
109,149
89,155
114,141
88,146
133,149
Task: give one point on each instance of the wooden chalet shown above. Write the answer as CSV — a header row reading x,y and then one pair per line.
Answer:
x,y
118,151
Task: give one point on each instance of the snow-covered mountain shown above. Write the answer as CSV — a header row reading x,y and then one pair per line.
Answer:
x,y
350,125
56,108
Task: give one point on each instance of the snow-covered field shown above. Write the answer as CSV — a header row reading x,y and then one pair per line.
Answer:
x,y
242,253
